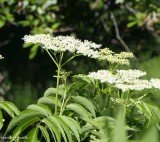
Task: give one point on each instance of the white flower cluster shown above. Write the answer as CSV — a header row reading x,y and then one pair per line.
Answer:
x,y
103,76
86,48
125,79
121,58
1,57
155,82
64,43
128,75
137,85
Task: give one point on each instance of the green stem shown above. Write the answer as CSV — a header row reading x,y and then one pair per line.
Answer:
x,y
69,60
109,96
58,80
63,101
125,106
57,87
51,57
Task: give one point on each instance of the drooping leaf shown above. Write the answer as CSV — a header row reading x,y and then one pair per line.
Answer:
x,y
53,128
45,133
79,110
155,111
93,123
86,103
72,126
13,107
52,91
87,128
61,127
49,100
65,127
1,120
23,125
43,109
145,109
105,120
22,116
32,136
75,123
7,109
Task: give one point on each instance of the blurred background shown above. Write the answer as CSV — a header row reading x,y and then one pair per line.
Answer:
x,y
121,25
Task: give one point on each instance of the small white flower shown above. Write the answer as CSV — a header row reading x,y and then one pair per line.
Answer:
x,y
1,57
137,85
128,75
65,43
103,76
155,83
123,79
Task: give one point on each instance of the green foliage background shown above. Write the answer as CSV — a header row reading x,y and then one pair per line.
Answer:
x,y
119,25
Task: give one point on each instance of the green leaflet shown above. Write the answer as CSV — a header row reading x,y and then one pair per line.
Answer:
x,y
86,103
145,109
65,127
4,106
13,107
43,109
22,116
156,112
72,126
23,125
1,120
97,123
87,128
105,120
53,128
32,136
45,133
49,100
93,123
62,128
75,123
79,110
52,91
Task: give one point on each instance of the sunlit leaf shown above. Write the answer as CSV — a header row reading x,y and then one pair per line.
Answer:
x,y
62,127
7,109
79,110
71,124
13,107
32,136
23,125
53,128
86,103
43,109
45,133
1,120
49,100
52,91
22,116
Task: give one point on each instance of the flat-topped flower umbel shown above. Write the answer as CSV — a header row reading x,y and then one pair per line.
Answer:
x,y
125,79
85,48
64,43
